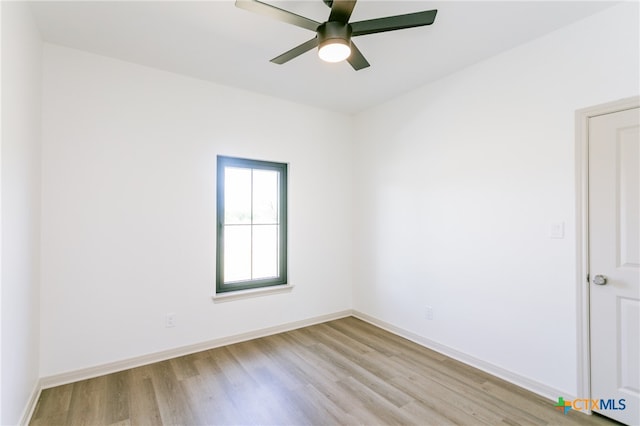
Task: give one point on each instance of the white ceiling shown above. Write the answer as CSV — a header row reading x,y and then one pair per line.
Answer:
x,y
215,41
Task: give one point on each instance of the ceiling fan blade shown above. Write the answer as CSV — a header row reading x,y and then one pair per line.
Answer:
x,y
296,51
341,10
357,59
392,23
277,13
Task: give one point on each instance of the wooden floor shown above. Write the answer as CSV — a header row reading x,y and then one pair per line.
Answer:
x,y
340,372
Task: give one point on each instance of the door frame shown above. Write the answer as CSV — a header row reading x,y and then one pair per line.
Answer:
x,y
583,361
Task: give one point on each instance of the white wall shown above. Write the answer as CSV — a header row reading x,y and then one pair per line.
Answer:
x,y
128,228
458,184
20,224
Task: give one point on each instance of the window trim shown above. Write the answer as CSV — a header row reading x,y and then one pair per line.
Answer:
x,y
281,168
228,296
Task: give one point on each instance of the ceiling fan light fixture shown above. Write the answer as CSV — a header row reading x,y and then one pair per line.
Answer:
x,y
334,41
334,50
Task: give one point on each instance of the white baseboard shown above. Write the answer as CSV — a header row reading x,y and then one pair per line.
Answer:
x,y
125,364
518,380
99,370
31,403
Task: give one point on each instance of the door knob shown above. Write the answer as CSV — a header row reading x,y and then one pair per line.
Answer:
x,y
599,280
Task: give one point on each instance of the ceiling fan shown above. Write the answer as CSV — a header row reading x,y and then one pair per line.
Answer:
x,y
333,37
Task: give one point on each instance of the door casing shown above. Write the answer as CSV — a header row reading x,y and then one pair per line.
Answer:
x,y
583,361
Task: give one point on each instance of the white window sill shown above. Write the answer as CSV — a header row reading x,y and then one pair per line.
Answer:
x,y
252,292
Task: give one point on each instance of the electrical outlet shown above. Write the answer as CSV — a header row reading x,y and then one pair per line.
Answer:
x,y
428,313
170,320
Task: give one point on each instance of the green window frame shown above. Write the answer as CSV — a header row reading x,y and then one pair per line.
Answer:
x,y
251,224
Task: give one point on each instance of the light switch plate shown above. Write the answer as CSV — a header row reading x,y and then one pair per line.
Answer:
x,y
557,230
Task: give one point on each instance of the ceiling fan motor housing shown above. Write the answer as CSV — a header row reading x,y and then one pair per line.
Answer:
x,y
334,32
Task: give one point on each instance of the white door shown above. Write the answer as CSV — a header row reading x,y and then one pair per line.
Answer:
x,y
614,264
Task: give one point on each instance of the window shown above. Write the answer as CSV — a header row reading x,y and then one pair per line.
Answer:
x,y
252,224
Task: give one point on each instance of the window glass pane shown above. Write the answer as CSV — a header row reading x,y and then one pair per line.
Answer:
x,y
251,220
237,253
265,196
265,251
237,195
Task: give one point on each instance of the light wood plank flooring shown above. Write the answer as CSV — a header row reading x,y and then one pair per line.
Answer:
x,y
343,372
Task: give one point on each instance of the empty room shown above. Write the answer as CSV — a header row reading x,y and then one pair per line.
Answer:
x,y
320,212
